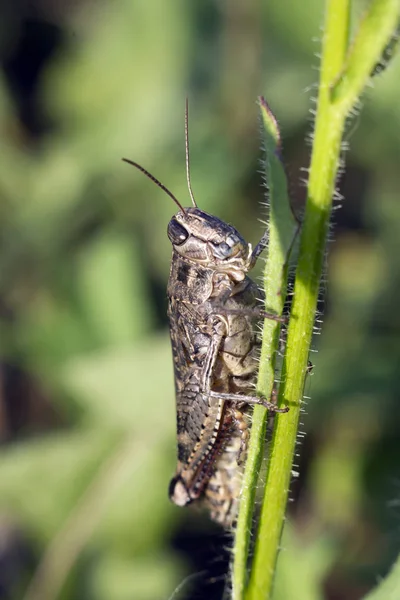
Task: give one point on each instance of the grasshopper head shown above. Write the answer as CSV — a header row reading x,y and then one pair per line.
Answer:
x,y
204,239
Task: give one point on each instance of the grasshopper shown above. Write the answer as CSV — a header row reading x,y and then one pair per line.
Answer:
x,y
213,310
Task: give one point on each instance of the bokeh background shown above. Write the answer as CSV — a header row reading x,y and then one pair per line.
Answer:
x,y
87,417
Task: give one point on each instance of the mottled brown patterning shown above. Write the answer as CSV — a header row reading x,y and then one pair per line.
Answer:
x,y
213,314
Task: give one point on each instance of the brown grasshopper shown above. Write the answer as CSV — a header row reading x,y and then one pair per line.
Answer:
x,y
213,314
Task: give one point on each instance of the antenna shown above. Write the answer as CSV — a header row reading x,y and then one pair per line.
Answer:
x,y
156,181
187,152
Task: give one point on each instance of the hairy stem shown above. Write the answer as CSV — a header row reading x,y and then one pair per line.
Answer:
x,y
333,109
281,231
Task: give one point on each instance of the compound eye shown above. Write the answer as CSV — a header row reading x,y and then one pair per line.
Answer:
x,y
177,233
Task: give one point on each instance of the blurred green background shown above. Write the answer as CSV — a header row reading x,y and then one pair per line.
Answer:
x,y
87,416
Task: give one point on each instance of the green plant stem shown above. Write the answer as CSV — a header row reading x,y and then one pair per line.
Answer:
x,y
376,29
281,231
329,127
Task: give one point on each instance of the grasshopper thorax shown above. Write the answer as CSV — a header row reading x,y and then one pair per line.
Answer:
x,y
203,239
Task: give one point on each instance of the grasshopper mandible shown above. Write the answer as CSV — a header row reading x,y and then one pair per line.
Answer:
x,y
213,310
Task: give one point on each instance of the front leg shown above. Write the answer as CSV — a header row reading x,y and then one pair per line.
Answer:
x,y
262,244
